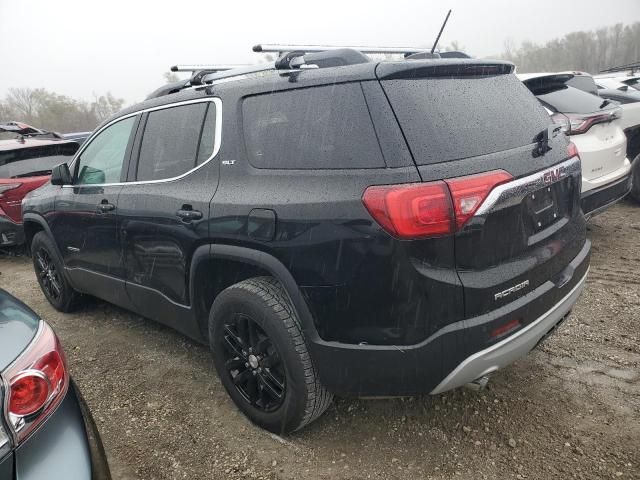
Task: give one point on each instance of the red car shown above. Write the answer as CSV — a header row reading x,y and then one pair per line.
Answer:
x,y
25,164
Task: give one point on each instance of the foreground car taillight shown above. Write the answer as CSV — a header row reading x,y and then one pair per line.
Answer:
x,y
424,210
37,382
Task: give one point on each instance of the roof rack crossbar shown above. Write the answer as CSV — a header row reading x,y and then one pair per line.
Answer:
x,y
236,72
266,48
208,67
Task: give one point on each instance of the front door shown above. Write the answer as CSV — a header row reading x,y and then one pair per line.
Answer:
x,y
85,222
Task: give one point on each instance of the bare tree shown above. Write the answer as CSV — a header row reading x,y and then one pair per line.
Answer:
x,y
589,51
54,112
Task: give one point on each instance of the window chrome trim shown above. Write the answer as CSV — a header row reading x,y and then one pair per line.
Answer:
x,y
216,144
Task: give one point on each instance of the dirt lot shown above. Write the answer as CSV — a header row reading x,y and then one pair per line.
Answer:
x,y
569,410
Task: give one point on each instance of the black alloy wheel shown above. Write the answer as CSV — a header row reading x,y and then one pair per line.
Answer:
x,y
48,274
49,271
261,356
253,363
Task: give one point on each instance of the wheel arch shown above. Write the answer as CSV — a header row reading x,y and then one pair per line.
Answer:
x,y
34,223
215,267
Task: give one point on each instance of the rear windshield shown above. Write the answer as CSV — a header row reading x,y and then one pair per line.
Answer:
x,y
447,119
566,99
584,83
33,161
634,83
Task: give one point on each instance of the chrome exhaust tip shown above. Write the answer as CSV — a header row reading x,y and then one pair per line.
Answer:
x,y
478,384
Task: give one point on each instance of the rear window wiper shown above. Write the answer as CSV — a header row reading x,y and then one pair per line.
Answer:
x,y
604,104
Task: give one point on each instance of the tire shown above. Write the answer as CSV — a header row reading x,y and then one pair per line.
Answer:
x,y
50,274
635,179
281,359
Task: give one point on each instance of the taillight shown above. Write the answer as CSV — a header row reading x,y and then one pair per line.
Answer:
x,y
579,124
415,210
423,210
5,187
37,381
572,150
469,192
563,121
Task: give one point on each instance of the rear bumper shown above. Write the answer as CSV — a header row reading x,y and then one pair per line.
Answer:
x,y
599,199
11,233
456,354
512,348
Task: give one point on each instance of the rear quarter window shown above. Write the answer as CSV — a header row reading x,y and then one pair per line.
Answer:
x,y
449,118
314,128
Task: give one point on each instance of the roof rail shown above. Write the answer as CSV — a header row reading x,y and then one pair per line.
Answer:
x,y
207,67
265,48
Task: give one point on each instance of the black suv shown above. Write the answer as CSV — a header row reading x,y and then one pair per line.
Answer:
x,y
369,229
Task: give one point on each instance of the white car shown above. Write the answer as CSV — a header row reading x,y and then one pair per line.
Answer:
x,y
613,83
595,127
608,80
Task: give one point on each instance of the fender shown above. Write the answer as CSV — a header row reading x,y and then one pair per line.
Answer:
x,y
264,261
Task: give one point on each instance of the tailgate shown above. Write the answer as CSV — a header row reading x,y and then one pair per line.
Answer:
x,y
525,234
602,149
464,121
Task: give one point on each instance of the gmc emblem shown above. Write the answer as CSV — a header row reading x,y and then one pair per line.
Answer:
x,y
554,175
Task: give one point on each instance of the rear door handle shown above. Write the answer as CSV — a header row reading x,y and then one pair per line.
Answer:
x,y
189,215
105,207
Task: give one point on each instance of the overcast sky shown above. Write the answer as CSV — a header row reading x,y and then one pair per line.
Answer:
x,y
81,48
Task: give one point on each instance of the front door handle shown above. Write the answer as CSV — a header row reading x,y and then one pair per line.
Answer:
x,y
188,215
105,207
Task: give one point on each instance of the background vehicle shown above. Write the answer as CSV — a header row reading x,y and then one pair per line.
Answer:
x,y
78,137
315,262
46,430
25,164
621,96
614,87
616,80
595,127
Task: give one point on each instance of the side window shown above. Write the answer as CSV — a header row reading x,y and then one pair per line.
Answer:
x,y
170,141
311,128
102,160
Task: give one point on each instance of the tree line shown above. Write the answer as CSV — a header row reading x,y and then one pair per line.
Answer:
x,y
58,113
588,51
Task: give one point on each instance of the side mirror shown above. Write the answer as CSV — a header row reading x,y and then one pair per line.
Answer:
x,y
60,175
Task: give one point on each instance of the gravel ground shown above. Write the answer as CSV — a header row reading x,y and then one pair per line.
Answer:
x,y
570,409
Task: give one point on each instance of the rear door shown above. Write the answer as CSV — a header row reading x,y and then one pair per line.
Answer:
x,y
471,119
164,207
